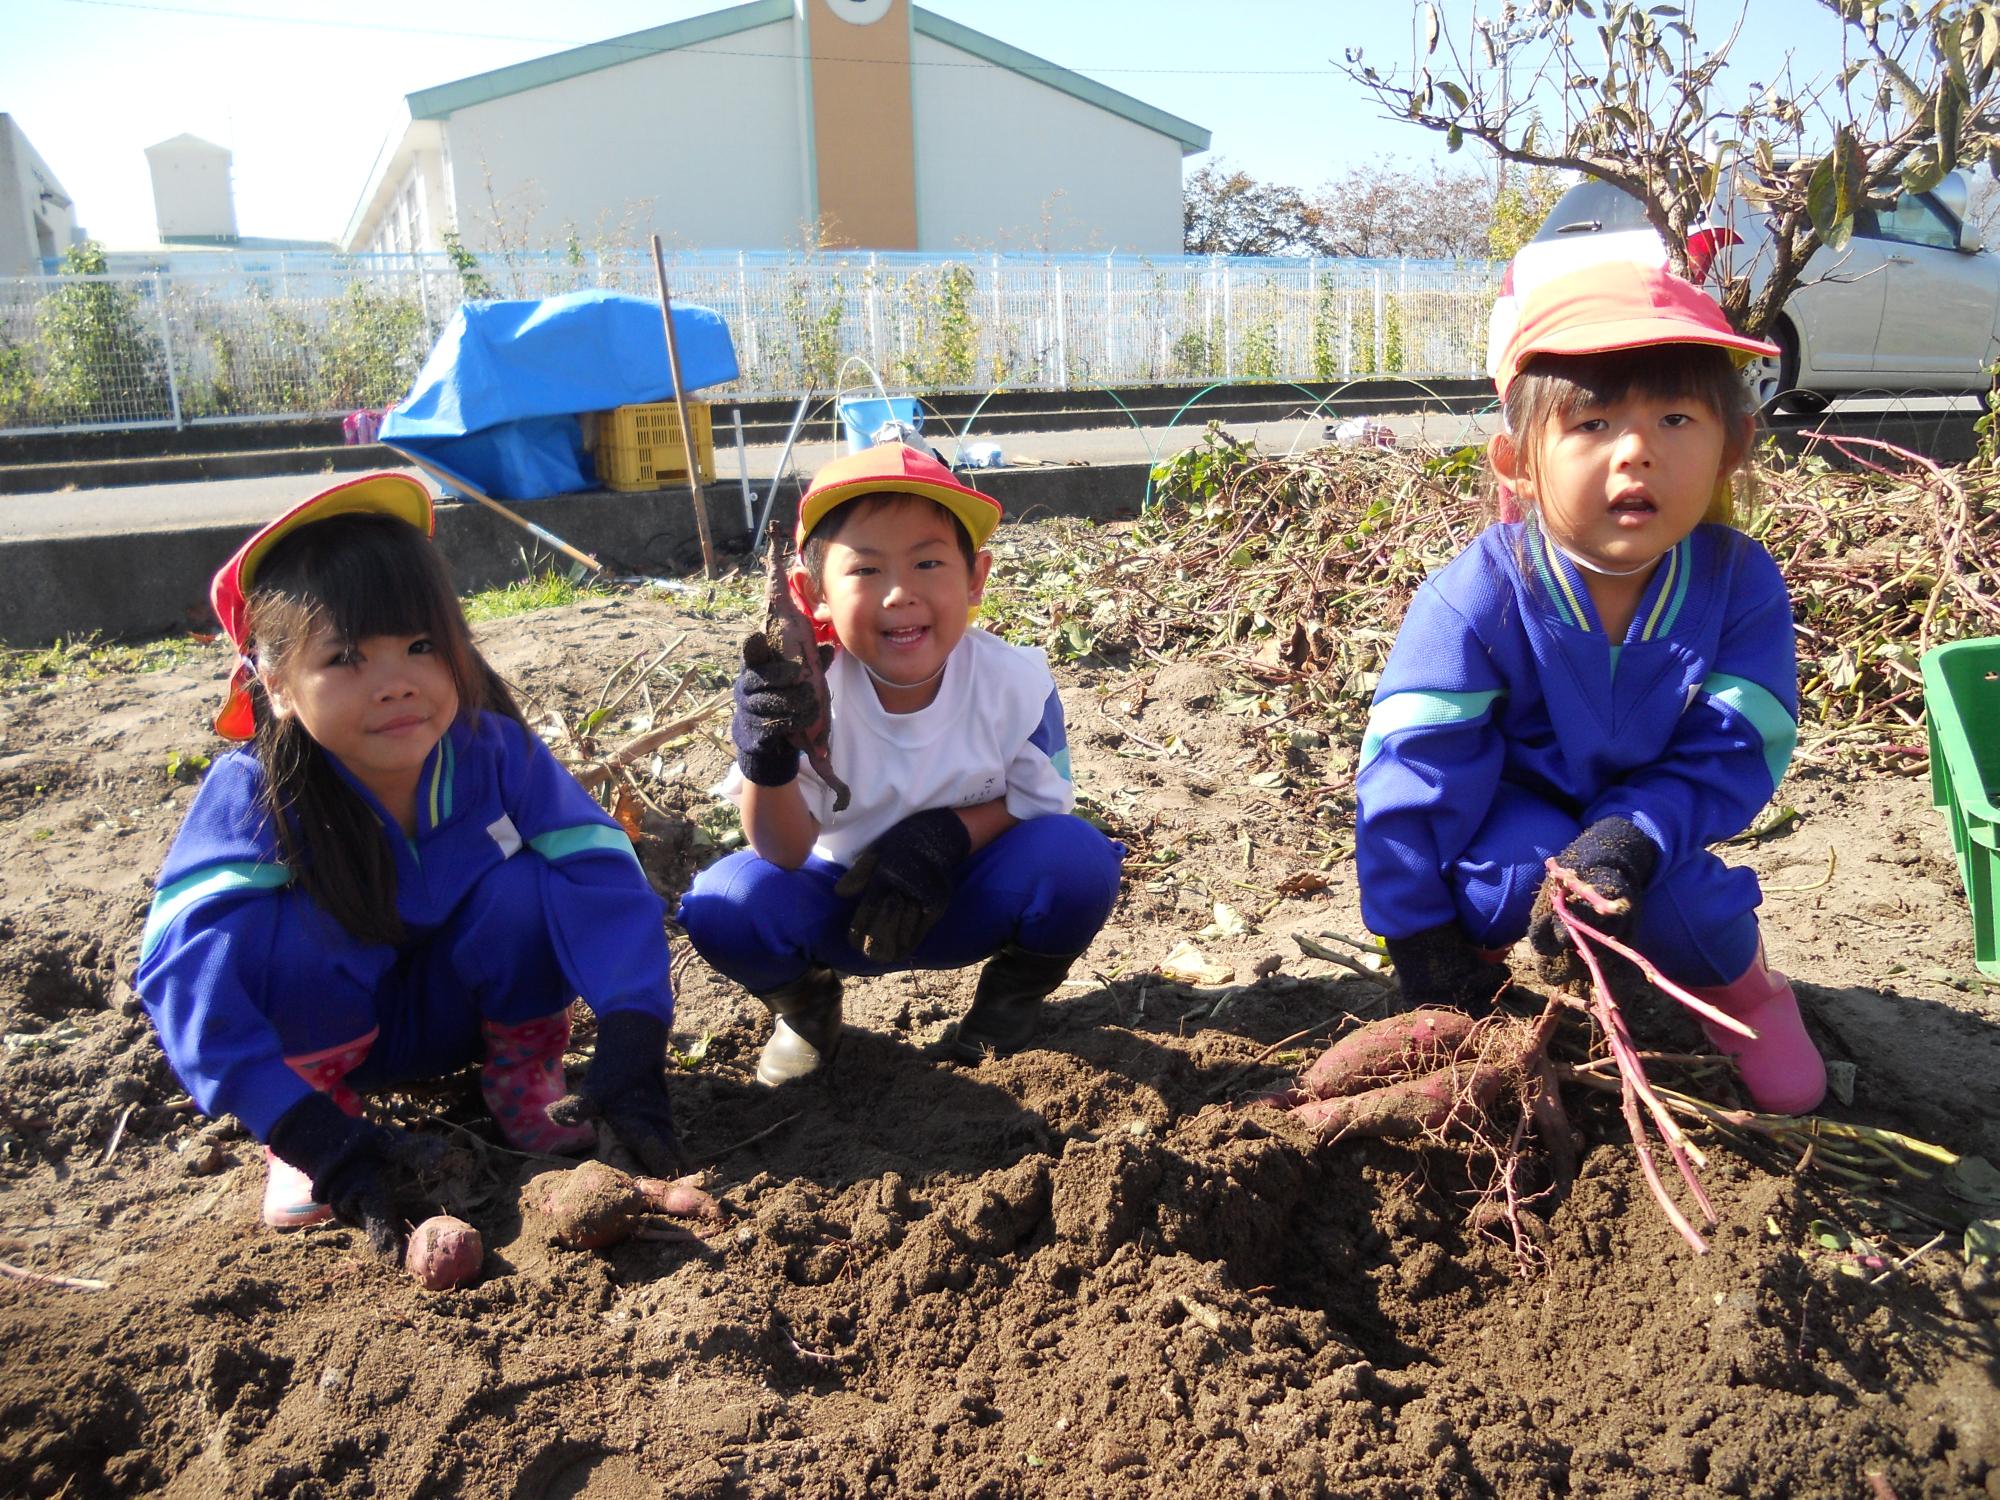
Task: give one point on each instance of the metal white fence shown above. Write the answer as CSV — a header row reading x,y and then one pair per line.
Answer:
x,y
319,335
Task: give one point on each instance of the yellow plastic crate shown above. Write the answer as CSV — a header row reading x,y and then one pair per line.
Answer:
x,y
638,447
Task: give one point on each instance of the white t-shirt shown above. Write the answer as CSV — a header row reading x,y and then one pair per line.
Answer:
x,y
995,729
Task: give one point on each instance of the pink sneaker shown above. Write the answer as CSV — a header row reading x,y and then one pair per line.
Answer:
x,y
1782,1070
523,1076
288,1196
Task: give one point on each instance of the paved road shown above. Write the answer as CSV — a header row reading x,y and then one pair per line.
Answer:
x,y
176,506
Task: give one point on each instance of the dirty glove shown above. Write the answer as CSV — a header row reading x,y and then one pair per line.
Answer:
x,y
904,881
1440,966
1614,859
355,1166
774,701
625,1086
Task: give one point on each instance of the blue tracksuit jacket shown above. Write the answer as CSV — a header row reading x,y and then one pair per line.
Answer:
x,y
1506,721
517,893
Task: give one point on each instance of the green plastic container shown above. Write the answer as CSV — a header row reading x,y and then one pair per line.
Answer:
x,y
1962,699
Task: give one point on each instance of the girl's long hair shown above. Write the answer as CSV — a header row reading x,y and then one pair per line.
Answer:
x,y
1558,386
362,575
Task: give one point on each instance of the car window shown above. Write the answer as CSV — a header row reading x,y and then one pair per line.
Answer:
x,y
1591,208
1915,221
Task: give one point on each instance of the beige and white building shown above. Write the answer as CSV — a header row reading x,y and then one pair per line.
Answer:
x,y
780,124
37,218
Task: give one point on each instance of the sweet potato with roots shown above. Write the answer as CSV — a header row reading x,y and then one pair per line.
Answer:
x,y
595,1205
1395,1047
1456,1095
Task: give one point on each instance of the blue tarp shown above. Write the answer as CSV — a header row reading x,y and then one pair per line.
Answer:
x,y
496,404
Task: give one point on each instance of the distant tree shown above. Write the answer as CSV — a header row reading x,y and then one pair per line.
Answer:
x,y
101,359
1519,208
1386,208
1627,93
1228,212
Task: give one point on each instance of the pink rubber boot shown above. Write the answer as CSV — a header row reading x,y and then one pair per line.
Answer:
x,y
288,1195
523,1076
1782,1071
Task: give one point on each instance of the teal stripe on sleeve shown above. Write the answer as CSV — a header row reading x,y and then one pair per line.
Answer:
x,y
216,880
1766,715
1402,711
561,843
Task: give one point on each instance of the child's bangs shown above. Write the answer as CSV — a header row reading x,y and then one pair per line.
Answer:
x,y
1567,384
363,576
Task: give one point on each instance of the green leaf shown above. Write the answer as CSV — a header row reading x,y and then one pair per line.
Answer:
x,y
1923,173
1947,118
1454,93
1454,138
1973,1180
1982,1240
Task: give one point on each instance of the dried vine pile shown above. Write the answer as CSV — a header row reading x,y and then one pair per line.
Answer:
x,y
1296,571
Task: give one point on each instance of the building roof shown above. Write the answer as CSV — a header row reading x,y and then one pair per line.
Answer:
x,y
441,102
184,141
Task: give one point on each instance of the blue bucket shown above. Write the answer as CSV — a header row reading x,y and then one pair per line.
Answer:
x,y
861,417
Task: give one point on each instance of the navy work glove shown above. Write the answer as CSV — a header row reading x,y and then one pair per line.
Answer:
x,y
774,701
625,1086
1440,966
1614,859
355,1167
904,881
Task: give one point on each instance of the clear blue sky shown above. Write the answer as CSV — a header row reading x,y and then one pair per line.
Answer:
x,y
303,91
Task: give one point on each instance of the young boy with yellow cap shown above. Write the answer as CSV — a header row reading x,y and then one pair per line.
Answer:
x,y
956,843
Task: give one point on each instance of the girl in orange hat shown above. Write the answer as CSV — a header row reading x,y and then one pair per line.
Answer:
x,y
1608,679
395,879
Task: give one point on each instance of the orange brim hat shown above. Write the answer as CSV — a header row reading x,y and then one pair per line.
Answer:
x,y
395,495
1618,305
897,469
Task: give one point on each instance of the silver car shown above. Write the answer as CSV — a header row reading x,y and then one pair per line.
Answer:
x,y
1910,303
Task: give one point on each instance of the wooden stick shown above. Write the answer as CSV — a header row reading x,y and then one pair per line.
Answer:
x,y
681,407
596,771
539,533
44,1278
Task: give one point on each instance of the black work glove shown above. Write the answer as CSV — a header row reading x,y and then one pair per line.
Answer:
x,y
1440,966
1614,859
625,1086
355,1166
904,881
774,700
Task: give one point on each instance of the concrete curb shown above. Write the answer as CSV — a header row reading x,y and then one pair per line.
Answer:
x,y
156,582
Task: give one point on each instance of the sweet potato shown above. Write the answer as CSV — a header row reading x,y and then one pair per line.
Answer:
x,y
1394,1047
788,633
596,1205
1415,1107
444,1252
682,1198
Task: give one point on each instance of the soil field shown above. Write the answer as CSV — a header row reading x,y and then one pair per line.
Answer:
x,y
1088,1270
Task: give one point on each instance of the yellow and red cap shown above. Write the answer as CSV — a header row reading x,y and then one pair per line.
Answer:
x,y
895,468
395,495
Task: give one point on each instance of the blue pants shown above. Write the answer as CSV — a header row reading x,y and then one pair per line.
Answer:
x,y
1047,884
493,960
1696,919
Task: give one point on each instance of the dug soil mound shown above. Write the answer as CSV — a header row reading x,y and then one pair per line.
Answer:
x,y
1087,1270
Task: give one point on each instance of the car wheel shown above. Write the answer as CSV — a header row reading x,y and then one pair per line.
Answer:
x,y
1775,379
